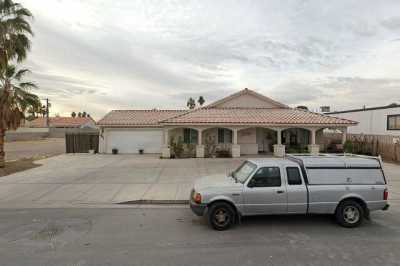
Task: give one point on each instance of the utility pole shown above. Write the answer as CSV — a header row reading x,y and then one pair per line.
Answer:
x,y
47,112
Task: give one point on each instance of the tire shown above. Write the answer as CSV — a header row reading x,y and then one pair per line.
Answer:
x,y
349,214
221,216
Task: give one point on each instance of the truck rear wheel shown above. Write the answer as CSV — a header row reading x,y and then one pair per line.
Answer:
x,y
221,216
349,213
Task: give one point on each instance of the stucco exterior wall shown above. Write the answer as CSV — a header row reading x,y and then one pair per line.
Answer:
x,y
247,101
247,139
371,122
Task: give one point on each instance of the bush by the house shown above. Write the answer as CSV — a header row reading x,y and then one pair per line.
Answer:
x,y
176,147
223,153
348,146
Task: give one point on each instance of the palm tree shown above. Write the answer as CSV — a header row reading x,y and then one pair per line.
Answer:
x,y
14,46
33,112
14,31
191,103
15,100
201,100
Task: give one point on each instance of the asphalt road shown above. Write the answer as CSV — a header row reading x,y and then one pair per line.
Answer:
x,y
174,236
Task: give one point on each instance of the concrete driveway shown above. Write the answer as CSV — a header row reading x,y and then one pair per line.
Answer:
x,y
83,179
98,180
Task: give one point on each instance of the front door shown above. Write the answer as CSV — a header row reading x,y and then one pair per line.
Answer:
x,y
265,193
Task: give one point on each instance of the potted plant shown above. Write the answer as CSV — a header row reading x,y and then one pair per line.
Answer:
x,y
114,151
141,151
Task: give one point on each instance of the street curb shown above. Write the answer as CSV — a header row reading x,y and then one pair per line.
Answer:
x,y
154,202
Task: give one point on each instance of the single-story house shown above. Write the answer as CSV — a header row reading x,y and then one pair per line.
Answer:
x,y
59,126
244,123
62,122
381,120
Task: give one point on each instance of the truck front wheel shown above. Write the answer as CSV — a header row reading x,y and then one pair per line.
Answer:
x,y
349,214
221,216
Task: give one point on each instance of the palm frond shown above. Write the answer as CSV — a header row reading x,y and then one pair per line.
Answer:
x,y
10,71
17,24
21,73
23,12
17,99
28,85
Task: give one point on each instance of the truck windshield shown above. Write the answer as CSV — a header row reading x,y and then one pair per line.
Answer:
x,y
244,171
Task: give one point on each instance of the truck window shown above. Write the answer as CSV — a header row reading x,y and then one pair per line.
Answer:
x,y
266,177
293,175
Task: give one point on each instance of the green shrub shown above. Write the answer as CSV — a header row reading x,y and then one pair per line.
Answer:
x,y
348,146
225,153
177,147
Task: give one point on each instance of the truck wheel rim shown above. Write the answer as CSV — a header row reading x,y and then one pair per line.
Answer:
x,y
221,218
351,214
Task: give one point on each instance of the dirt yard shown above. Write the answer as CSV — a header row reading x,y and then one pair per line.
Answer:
x,y
18,166
34,149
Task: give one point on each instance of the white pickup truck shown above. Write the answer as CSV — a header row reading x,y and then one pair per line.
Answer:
x,y
347,186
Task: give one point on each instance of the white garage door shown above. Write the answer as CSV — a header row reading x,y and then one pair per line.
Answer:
x,y
130,141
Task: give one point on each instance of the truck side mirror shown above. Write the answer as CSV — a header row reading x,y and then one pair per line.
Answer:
x,y
251,183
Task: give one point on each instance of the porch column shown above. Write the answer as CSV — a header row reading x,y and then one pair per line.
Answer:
x,y
199,146
344,135
165,151
313,148
102,141
279,149
235,146
279,136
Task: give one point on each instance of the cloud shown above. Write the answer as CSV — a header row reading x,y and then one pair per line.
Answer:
x,y
102,55
392,23
339,92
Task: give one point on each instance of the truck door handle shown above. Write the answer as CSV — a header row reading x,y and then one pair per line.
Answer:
x,y
280,191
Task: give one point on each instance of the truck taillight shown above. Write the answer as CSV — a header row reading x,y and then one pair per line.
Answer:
x,y
385,194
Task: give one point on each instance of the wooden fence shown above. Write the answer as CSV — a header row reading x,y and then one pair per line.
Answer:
x,y
386,146
81,142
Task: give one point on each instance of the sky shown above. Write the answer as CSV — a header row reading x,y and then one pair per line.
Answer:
x,y
100,55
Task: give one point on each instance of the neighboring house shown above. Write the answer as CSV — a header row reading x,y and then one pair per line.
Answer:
x,y
62,122
243,123
383,120
59,126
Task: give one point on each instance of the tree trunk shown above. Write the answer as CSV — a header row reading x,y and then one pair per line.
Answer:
x,y
2,154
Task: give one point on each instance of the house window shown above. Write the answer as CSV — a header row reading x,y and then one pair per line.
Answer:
x,y
189,136
393,122
224,135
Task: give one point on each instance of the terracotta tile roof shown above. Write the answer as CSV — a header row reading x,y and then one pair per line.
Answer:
x,y
140,118
269,116
60,122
